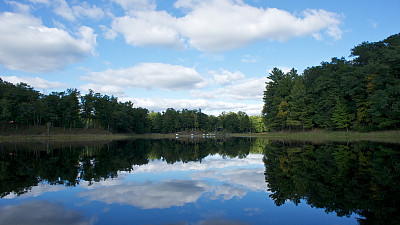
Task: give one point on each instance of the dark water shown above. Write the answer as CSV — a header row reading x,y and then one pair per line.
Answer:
x,y
210,181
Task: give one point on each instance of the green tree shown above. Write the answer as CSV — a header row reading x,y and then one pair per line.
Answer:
x,y
297,104
341,117
87,102
277,91
244,122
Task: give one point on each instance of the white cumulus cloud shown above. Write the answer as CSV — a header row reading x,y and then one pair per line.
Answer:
x,y
150,75
207,106
149,28
225,77
27,45
219,25
243,89
35,82
104,89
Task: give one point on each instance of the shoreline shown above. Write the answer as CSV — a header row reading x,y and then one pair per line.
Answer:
x,y
318,135
392,136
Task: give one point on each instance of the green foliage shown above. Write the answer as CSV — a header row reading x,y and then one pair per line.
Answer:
x,y
21,105
257,124
341,117
344,178
368,88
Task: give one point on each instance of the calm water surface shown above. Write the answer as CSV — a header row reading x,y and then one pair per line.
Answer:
x,y
210,181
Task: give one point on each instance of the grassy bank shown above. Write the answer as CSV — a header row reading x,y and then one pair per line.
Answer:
x,y
62,134
11,133
323,135
65,137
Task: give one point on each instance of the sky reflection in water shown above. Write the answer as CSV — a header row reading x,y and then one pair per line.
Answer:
x,y
217,190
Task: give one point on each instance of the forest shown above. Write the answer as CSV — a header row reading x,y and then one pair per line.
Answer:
x,y
22,105
361,94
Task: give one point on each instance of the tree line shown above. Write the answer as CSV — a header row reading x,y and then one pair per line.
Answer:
x,y
22,105
361,94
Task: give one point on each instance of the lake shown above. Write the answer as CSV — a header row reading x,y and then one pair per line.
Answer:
x,y
200,181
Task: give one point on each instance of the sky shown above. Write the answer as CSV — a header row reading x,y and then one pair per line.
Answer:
x,y
212,55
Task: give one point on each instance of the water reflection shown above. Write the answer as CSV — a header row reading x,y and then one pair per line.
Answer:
x,y
361,178
201,182
150,195
42,212
24,166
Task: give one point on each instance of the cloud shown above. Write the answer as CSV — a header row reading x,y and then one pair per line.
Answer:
x,y
41,212
220,25
19,7
210,163
249,59
83,10
45,2
35,82
108,33
136,5
250,179
149,28
248,89
243,89
373,23
36,191
150,75
207,106
150,195
228,191
104,89
62,9
223,25
225,77
232,177
27,45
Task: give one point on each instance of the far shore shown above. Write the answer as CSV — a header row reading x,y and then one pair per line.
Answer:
x,y
317,136
392,136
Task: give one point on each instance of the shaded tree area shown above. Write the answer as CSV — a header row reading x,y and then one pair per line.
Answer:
x,y
360,178
361,94
195,120
22,105
25,166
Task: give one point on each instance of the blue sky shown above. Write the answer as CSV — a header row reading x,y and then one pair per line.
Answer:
x,y
210,54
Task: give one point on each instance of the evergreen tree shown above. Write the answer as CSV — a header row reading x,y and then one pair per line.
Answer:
x,y
341,117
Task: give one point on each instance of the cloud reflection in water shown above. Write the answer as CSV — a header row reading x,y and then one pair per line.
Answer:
x,y
223,178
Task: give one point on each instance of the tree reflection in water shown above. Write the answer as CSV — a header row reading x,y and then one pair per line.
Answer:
x,y
344,178
26,165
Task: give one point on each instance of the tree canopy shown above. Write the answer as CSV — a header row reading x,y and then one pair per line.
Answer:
x,y
22,105
361,94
